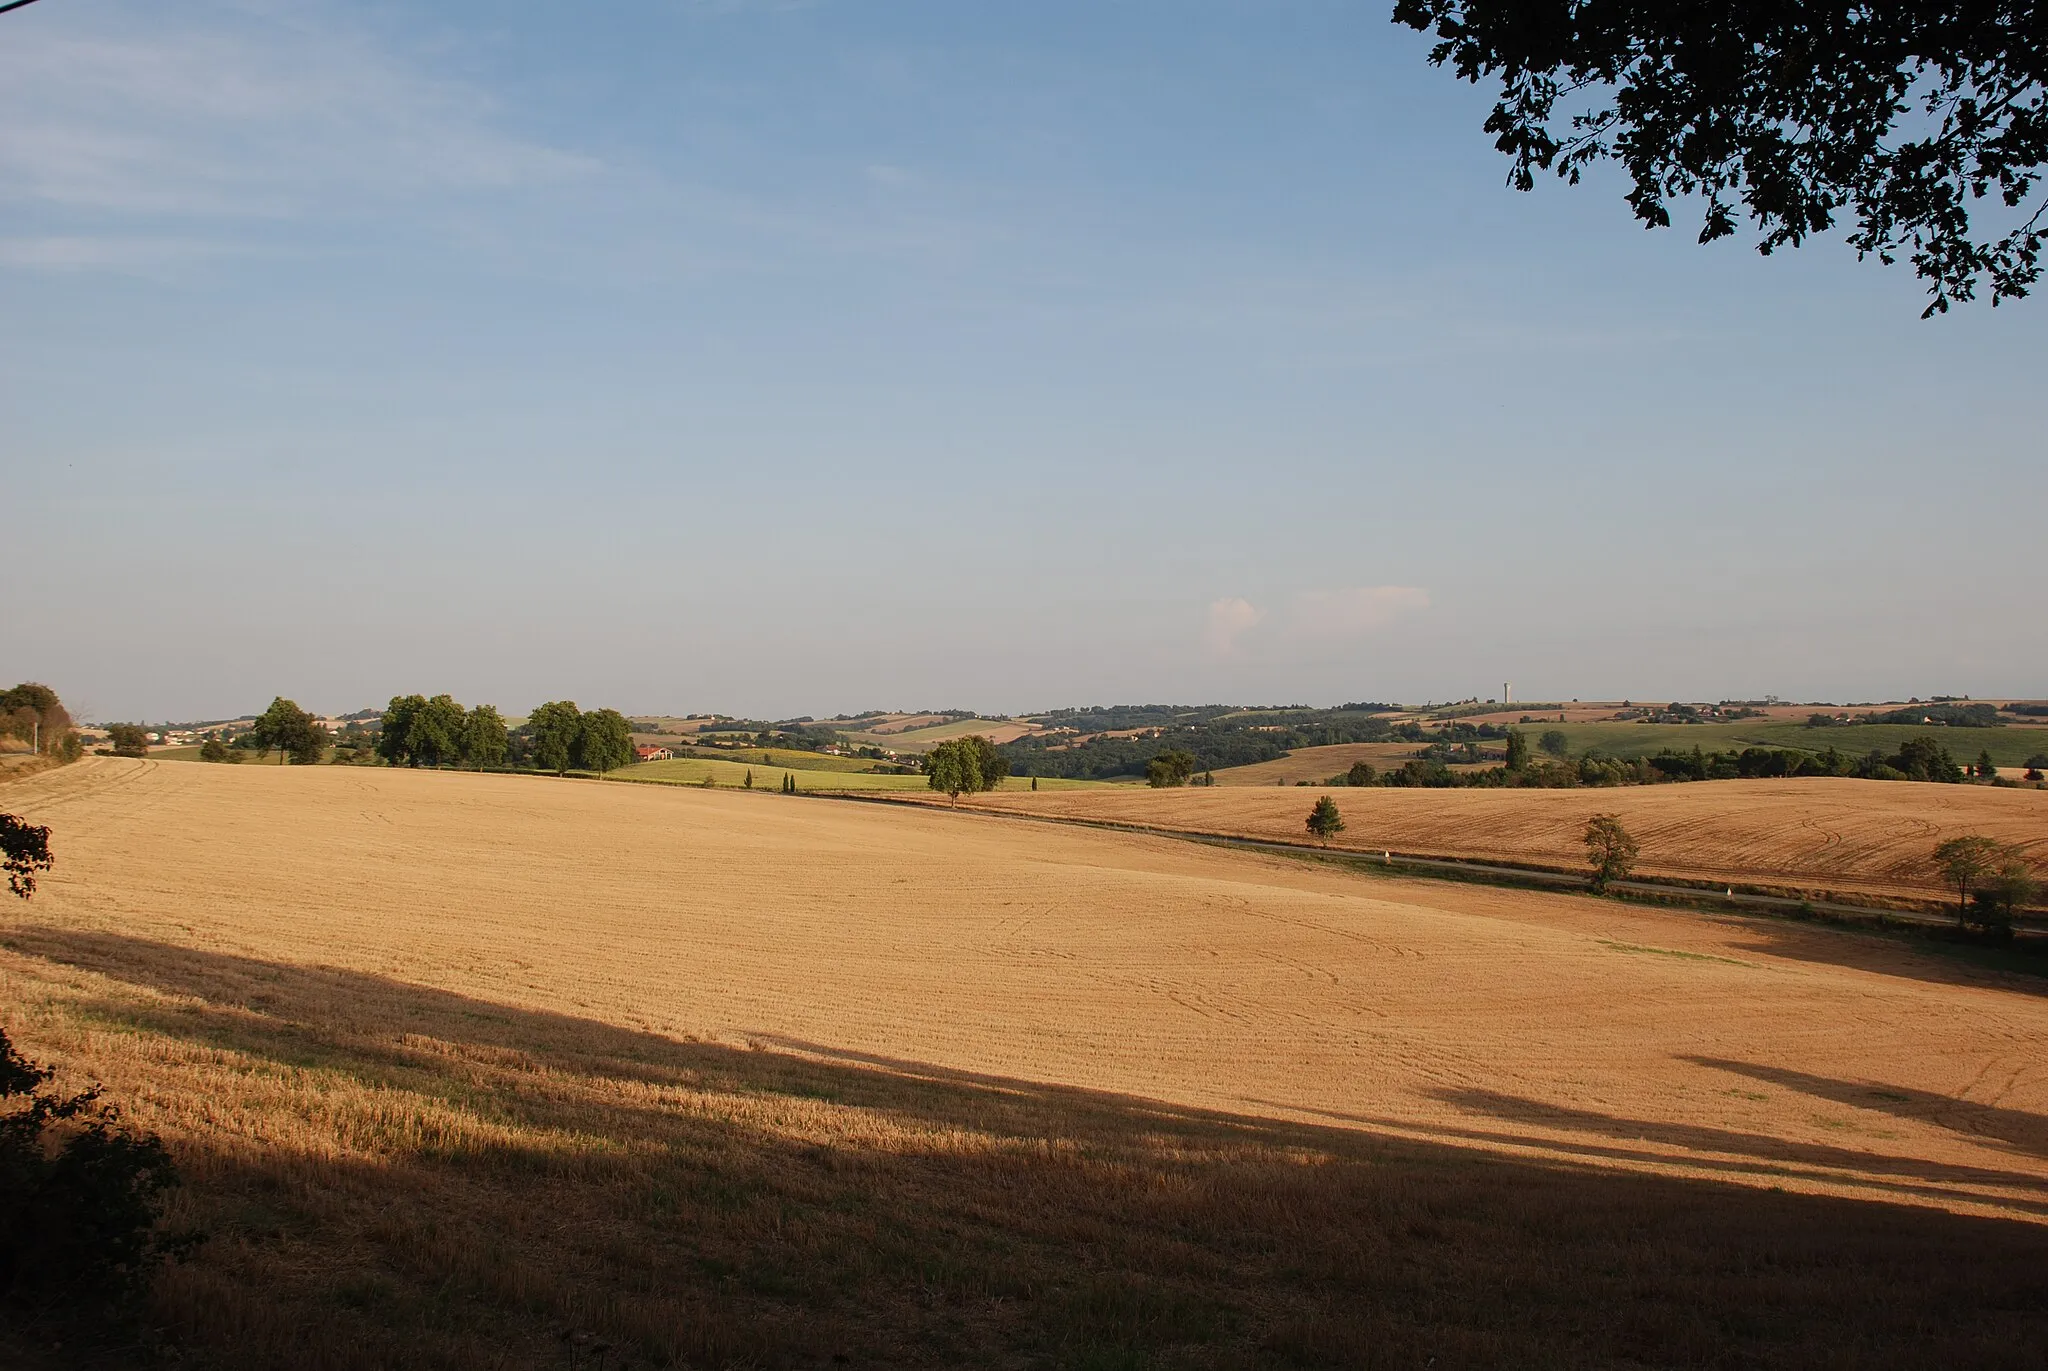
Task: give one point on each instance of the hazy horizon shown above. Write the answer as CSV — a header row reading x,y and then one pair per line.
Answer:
x,y
516,710
772,358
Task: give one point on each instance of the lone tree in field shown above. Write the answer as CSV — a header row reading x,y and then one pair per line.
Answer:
x,y
1324,821
1964,861
1610,851
1554,743
554,727
1908,116
24,850
954,768
1170,768
292,731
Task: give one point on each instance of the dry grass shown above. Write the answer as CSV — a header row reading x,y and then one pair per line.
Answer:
x,y
462,1064
1826,836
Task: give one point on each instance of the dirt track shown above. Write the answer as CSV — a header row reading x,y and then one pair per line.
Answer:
x,y
1548,1025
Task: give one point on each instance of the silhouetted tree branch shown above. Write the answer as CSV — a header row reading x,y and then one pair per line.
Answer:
x,y
1907,116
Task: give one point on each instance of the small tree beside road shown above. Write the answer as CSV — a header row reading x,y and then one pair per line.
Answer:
x,y
1324,821
964,766
1964,861
1610,851
1993,880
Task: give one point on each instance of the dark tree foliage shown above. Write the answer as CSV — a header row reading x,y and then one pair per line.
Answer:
x,y
129,740
552,731
484,737
1954,716
604,741
1324,821
77,1221
989,762
1216,735
962,766
1906,116
1610,852
292,731
24,850
1169,769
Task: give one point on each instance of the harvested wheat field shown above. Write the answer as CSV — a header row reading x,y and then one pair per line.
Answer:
x,y
1318,764
475,1071
1821,835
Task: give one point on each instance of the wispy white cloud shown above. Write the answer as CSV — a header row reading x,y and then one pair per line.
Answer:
x,y
1353,611
248,111
1230,618
141,256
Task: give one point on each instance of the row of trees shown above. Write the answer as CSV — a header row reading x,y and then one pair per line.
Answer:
x,y
417,731
1993,880
436,731
1917,759
559,737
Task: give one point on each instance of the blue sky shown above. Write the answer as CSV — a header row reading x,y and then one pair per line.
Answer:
x,y
784,358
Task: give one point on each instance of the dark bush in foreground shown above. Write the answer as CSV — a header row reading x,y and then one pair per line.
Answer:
x,y
77,1216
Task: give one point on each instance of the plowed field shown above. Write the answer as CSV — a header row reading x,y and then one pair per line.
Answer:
x,y
754,1079
1849,837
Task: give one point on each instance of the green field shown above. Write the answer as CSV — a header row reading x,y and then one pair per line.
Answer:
x,y
788,758
191,754
925,739
2008,746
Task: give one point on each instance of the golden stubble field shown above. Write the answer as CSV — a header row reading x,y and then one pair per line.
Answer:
x,y
1820,834
733,1079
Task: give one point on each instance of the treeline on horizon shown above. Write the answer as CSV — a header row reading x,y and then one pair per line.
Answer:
x,y
1218,736
1918,759
431,731
418,730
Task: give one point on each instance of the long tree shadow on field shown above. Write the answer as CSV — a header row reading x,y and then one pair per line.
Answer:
x,y
1919,956
2014,1128
1694,1144
400,1176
